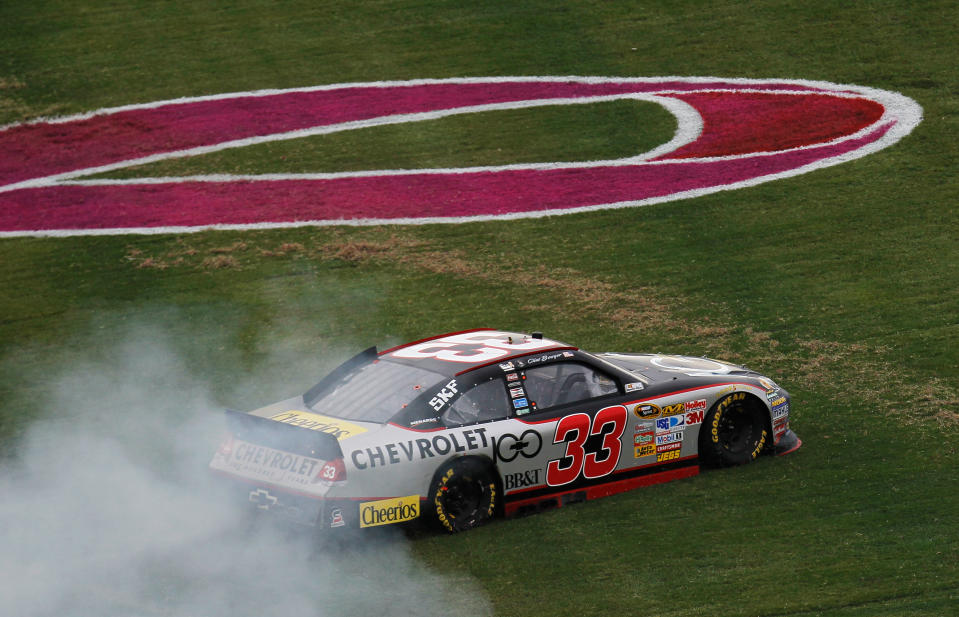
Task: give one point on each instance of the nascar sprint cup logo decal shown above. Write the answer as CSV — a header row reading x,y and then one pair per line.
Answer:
x,y
731,133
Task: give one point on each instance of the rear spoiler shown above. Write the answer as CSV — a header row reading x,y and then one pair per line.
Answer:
x,y
281,436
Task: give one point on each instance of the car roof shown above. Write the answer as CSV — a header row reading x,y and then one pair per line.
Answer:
x,y
455,353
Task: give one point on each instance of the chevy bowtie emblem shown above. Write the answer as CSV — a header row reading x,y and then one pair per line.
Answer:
x,y
262,499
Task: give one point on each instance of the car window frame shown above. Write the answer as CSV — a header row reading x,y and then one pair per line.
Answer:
x,y
559,409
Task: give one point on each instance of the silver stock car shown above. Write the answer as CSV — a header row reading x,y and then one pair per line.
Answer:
x,y
466,426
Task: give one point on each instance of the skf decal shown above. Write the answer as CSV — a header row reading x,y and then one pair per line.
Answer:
x,y
444,395
340,429
438,445
386,511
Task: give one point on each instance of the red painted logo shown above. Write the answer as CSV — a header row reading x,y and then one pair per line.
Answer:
x,y
731,133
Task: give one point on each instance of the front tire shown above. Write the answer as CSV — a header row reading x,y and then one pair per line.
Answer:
x,y
734,431
463,494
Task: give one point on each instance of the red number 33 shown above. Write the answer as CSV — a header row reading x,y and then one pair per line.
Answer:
x,y
574,430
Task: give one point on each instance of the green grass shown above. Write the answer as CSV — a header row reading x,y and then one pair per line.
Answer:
x,y
841,283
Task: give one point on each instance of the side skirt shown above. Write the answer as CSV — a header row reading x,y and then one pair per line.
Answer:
x,y
538,499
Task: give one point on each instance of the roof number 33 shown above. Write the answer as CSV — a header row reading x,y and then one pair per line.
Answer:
x,y
574,430
470,347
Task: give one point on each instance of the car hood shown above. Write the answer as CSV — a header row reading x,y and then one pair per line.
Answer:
x,y
662,367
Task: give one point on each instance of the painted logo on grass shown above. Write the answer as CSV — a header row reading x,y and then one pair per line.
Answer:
x,y
731,133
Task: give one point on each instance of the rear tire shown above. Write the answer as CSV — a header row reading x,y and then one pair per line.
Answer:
x,y
463,494
734,431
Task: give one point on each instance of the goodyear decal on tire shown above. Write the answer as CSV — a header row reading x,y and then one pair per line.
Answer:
x,y
720,410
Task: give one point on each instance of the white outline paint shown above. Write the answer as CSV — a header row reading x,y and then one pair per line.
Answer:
x,y
689,126
902,114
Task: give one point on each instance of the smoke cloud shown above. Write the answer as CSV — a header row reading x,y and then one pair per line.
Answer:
x,y
107,510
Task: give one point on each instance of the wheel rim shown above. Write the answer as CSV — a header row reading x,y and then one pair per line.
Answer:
x,y
463,497
736,430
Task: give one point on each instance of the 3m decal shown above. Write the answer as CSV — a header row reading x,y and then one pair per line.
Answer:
x,y
574,429
386,511
731,133
341,429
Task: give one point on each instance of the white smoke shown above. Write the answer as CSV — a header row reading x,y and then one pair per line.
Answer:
x,y
108,510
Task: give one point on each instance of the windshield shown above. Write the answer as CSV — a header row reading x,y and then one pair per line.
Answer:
x,y
375,392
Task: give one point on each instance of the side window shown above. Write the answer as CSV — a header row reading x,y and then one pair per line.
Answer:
x,y
564,383
484,401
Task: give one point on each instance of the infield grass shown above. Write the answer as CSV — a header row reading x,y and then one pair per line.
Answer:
x,y
841,284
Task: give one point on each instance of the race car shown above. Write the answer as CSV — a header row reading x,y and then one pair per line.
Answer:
x,y
466,426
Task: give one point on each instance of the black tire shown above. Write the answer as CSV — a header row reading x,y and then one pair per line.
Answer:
x,y
734,431
463,494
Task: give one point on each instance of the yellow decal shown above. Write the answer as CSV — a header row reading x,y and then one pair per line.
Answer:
x,y
641,451
675,408
386,511
341,429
